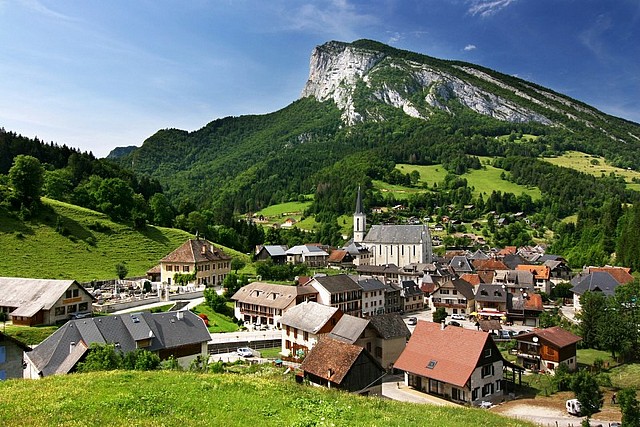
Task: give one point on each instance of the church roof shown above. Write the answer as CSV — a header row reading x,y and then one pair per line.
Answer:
x,y
397,234
359,202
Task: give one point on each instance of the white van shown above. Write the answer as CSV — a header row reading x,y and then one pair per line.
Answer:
x,y
573,407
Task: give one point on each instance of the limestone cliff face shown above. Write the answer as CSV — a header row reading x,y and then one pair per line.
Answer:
x,y
343,73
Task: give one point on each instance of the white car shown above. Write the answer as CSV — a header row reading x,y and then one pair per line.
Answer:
x,y
244,352
458,317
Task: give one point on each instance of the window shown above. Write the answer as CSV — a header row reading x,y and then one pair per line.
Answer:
x,y
487,370
185,268
169,268
76,293
487,389
83,306
59,311
474,393
498,385
457,394
444,291
487,352
378,351
305,335
295,333
68,293
369,347
72,308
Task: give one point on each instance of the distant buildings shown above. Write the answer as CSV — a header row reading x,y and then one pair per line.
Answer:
x,y
209,263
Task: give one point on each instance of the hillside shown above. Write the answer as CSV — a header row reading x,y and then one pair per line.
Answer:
x,y
173,398
366,100
70,242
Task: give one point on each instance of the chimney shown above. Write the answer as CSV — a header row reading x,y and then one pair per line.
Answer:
x,y
72,345
442,325
180,315
204,249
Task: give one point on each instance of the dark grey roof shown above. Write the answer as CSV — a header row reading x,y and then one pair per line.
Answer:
x,y
464,287
460,263
514,260
410,288
479,255
389,326
522,278
371,284
338,283
398,234
56,354
597,281
355,248
359,202
378,269
550,257
349,328
490,293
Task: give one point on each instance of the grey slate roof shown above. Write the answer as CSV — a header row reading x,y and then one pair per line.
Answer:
x,y
308,316
398,234
513,260
32,295
521,278
410,288
389,326
371,284
57,355
337,283
479,255
597,281
490,293
307,250
348,329
275,250
460,264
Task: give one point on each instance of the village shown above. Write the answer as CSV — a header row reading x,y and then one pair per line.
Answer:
x,y
390,309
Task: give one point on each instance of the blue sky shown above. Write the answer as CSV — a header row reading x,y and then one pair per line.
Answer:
x,y
101,74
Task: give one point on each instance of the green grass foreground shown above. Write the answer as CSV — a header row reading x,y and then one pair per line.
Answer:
x,y
168,398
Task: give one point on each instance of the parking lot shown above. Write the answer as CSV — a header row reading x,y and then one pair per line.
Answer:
x,y
427,315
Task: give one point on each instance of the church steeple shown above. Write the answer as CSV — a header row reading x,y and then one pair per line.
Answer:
x,y
359,220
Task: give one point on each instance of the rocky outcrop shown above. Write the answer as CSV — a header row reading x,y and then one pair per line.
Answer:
x,y
339,71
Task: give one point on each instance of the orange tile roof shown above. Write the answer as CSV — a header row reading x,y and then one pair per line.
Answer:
x,y
538,271
489,264
337,255
474,279
455,350
196,250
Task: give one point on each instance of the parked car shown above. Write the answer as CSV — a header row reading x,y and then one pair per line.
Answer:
x,y
412,321
504,334
573,407
454,323
244,352
458,317
80,315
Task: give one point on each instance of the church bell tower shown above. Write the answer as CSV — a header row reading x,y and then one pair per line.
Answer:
x,y
359,220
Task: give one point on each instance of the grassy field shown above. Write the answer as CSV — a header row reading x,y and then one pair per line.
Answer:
x,y
483,180
29,335
266,398
89,248
626,376
217,322
586,356
594,165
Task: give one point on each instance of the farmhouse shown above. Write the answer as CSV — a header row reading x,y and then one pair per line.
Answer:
x,y
263,303
455,363
33,302
209,262
181,334
304,324
544,349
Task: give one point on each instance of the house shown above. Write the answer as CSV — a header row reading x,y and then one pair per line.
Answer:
x,y
339,291
455,363
541,276
513,260
491,299
544,349
393,301
336,364
263,303
373,296
525,307
340,259
358,253
486,269
288,223
276,253
514,279
460,264
11,357
387,273
412,296
209,262
597,281
31,302
455,295
559,270
304,324
311,255
180,334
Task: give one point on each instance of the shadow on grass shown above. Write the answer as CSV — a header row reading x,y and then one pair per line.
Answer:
x,y
10,223
154,234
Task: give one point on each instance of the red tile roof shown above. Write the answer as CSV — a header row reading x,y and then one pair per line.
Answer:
x,y
454,350
337,255
196,250
331,359
489,265
538,271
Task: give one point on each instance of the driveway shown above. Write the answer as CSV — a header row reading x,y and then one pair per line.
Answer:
x,y
393,388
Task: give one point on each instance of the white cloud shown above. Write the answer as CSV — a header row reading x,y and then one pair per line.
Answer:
x,y
469,47
37,6
486,8
592,38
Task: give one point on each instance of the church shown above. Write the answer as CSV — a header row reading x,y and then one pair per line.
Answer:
x,y
391,244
